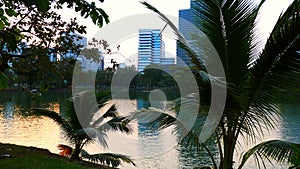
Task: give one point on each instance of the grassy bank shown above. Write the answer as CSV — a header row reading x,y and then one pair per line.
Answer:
x,y
19,157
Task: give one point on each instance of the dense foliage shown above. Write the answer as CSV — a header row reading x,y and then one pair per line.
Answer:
x,y
34,30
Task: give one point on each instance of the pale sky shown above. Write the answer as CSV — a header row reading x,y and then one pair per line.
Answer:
x,y
119,9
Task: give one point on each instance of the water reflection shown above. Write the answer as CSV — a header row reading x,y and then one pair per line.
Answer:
x,y
149,148
191,157
291,122
8,110
30,131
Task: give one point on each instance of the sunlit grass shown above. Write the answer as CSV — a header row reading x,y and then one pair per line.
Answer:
x,y
14,157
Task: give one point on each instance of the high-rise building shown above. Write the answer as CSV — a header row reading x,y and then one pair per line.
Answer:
x,y
167,61
187,27
150,49
145,48
52,55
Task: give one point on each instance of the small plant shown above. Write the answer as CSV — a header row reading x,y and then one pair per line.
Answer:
x,y
78,125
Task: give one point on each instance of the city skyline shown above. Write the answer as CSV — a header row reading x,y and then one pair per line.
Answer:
x,y
268,16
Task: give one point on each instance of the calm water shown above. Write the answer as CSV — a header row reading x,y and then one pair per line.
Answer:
x,y
149,149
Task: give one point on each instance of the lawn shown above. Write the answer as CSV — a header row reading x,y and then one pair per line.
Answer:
x,y
20,157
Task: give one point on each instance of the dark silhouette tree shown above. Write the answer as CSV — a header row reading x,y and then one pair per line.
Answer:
x,y
38,23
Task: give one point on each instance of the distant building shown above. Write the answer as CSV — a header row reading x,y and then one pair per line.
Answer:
x,y
80,40
146,48
21,46
167,61
19,51
91,59
187,20
156,46
151,49
52,55
89,65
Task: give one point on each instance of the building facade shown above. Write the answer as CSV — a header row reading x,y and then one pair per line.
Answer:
x,y
151,49
147,52
167,61
187,22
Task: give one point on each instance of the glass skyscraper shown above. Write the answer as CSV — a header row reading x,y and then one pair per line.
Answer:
x,y
151,48
187,27
157,46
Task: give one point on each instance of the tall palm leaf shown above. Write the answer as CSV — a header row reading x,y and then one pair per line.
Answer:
x,y
256,82
275,73
87,130
107,158
278,150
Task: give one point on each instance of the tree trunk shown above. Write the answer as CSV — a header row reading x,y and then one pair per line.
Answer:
x,y
229,144
76,153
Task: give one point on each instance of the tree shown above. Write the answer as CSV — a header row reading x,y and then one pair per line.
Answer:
x,y
63,77
91,54
93,51
77,123
38,24
256,82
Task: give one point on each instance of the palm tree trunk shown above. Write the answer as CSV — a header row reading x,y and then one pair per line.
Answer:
x,y
229,144
75,155
77,150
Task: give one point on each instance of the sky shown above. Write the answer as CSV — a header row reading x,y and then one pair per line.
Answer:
x,y
120,9
117,9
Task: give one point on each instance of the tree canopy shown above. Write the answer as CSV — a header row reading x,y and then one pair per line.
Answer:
x,y
38,26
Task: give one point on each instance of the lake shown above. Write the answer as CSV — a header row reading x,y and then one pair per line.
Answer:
x,y
148,148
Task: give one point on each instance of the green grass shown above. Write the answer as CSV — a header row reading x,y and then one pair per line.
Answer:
x,y
21,157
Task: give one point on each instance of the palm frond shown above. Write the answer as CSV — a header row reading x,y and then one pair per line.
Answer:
x,y
111,112
230,27
47,113
109,159
69,114
57,118
85,106
278,66
116,124
275,73
184,114
103,96
188,126
181,111
278,150
91,134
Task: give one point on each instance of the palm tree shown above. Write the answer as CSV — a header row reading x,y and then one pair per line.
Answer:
x,y
257,82
77,123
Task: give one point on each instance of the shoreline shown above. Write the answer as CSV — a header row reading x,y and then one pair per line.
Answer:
x,y
18,155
